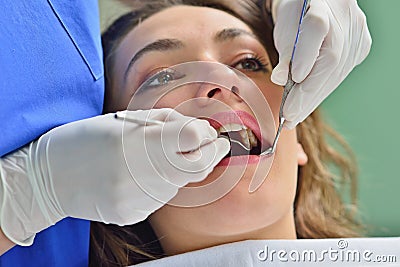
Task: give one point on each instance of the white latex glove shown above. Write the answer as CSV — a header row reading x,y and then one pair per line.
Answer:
x,y
80,170
333,39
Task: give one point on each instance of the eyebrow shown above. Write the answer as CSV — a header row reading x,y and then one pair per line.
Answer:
x,y
231,33
173,44
159,45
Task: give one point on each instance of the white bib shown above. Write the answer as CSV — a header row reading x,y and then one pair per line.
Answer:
x,y
303,252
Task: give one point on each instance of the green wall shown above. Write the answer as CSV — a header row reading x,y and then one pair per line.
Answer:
x,y
366,109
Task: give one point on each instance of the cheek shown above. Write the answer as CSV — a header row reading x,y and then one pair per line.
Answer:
x,y
172,99
285,163
176,97
273,94
285,166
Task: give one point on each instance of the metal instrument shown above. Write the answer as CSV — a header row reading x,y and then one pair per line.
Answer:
x,y
288,87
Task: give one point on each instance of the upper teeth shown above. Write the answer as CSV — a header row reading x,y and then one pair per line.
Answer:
x,y
231,127
249,140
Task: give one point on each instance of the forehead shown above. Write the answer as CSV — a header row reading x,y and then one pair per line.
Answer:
x,y
187,19
185,23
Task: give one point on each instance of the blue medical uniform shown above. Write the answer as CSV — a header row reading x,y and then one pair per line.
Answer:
x,y
51,73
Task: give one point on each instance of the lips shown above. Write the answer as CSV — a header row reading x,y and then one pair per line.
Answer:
x,y
237,122
240,117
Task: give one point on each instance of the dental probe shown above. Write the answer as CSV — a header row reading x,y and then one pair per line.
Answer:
x,y
122,115
288,87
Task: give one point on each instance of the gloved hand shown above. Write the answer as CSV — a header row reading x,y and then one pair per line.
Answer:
x,y
334,38
81,170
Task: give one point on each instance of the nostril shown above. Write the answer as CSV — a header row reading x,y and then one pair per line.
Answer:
x,y
235,90
212,92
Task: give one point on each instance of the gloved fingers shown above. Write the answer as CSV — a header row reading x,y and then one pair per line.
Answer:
x,y
362,47
313,31
128,217
186,135
288,14
212,153
311,100
195,165
189,152
329,66
301,100
162,115
280,73
166,114
287,19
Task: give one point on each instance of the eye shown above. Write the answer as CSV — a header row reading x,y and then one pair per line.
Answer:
x,y
251,64
163,78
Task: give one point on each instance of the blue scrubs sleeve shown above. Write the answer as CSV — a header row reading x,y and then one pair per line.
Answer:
x,y
51,73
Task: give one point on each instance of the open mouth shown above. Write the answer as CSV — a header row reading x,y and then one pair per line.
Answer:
x,y
242,131
242,139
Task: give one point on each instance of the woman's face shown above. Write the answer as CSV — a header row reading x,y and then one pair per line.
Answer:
x,y
239,215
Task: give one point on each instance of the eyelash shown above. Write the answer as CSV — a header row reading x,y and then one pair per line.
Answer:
x,y
159,74
260,61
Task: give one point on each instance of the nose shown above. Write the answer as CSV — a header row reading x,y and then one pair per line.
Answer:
x,y
222,85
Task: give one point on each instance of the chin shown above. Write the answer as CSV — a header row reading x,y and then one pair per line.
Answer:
x,y
240,212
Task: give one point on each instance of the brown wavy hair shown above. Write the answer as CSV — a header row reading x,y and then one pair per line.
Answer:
x,y
319,209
